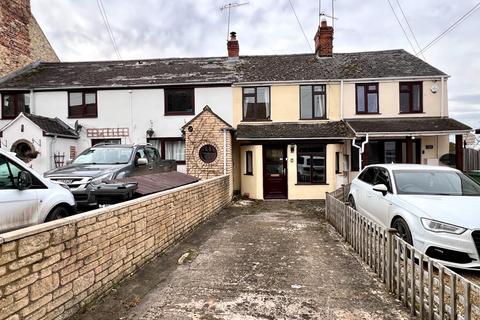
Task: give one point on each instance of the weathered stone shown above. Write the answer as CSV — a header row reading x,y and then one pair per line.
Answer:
x,y
82,283
25,281
62,234
44,286
32,306
25,261
7,257
12,276
33,244
8,246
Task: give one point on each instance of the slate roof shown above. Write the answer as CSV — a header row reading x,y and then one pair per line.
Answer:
x,y
294,130
207,109
394,125
219,70
52,126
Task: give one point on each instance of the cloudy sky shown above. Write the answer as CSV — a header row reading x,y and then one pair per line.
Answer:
x,y
186,28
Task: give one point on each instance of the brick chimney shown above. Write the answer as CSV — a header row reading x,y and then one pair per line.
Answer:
x,y
324,40
233,47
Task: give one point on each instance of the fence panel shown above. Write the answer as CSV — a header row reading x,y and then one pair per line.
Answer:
x,y
426,287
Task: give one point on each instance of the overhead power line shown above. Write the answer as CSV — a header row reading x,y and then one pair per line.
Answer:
x,y
451,27
410,28
103,12
401,26
300,25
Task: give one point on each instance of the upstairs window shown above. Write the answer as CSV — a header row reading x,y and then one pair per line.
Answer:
x,y
411,97
256,103
82,104
367,98
14,103
313,102
179,101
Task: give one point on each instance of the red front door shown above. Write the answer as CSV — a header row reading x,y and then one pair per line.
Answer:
x,y
275,172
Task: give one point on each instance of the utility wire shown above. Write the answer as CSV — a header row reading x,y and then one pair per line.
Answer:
x,y
103,12
451,27
410,28
401,26
300,25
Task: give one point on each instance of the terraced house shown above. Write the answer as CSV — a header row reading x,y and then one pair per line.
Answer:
x,y
293,126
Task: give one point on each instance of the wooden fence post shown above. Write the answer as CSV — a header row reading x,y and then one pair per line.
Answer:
x,y
389,265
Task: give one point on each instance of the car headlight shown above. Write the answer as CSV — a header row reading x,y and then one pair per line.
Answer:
x,y
437,226
100,179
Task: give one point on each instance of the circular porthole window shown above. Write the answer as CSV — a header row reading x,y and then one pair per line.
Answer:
x,y
208,153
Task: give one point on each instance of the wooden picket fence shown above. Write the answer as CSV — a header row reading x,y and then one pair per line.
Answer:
x,y
426,287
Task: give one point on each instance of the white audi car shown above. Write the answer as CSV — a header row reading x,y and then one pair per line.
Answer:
x,y
436,209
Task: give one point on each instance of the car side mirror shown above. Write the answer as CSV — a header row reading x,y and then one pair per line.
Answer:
x,y
142,162
24,180
380,188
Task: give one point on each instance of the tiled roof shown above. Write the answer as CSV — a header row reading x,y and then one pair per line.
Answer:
x,y
420,124
294,130
219,70
52,126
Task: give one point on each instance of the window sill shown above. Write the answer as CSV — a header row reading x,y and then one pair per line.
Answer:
x,y
307,119
366,113
82,117
256,120
179,114
311,184
248,174
416,112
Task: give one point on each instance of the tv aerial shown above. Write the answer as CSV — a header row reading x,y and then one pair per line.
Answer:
x,y
322,13
229,6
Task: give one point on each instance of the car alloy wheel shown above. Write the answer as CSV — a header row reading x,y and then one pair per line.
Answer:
x,y
403,231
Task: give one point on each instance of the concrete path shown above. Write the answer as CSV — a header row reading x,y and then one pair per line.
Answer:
x,y
269,260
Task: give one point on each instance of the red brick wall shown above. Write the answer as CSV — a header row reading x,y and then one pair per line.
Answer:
x,y
21,39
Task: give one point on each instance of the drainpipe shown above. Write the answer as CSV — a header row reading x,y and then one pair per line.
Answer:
x,y
224,151
442,99
341,100
130,134
52,153
361,149
32,103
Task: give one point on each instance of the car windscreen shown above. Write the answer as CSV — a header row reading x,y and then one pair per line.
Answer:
x,y
435,182
104,156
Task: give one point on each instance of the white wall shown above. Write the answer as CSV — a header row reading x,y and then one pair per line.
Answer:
x,y
147,105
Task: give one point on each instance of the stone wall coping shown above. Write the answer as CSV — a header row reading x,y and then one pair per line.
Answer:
x,y
28,231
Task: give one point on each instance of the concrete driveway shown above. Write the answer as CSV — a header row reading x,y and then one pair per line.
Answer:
x,y
266,260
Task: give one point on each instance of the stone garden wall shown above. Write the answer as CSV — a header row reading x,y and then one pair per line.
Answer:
x,y
51,270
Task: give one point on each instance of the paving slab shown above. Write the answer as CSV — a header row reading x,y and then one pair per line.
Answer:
x,y
256,260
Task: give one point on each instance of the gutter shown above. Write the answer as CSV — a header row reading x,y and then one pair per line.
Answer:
x,y
300,82
361,150
287,138
411,134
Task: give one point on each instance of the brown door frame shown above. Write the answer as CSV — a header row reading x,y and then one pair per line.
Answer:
x,y
284,176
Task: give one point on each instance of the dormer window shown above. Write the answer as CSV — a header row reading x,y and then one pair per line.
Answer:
x,y
13,103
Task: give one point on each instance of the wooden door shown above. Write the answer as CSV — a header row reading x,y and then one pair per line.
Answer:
x,y
275,172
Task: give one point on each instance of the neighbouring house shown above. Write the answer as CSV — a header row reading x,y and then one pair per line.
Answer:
x,y
31,137
22,41
284,126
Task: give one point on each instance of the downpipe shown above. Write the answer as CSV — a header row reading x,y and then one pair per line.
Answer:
x,y
361,149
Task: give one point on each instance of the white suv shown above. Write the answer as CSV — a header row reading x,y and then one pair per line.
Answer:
x,y
26,198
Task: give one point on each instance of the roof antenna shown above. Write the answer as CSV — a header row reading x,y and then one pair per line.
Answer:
x,y
230,6
323,14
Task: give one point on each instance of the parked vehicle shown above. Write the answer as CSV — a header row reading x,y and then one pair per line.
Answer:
x,y
26,198
104,162
437,209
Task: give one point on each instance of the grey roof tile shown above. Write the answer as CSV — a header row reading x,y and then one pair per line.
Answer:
x,y
423,124
219,70
294,130
52,126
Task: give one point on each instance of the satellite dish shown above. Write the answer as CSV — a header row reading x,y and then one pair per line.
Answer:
x,y
434,88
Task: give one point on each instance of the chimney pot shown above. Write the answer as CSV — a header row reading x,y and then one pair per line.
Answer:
x,y
324,40
233,47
